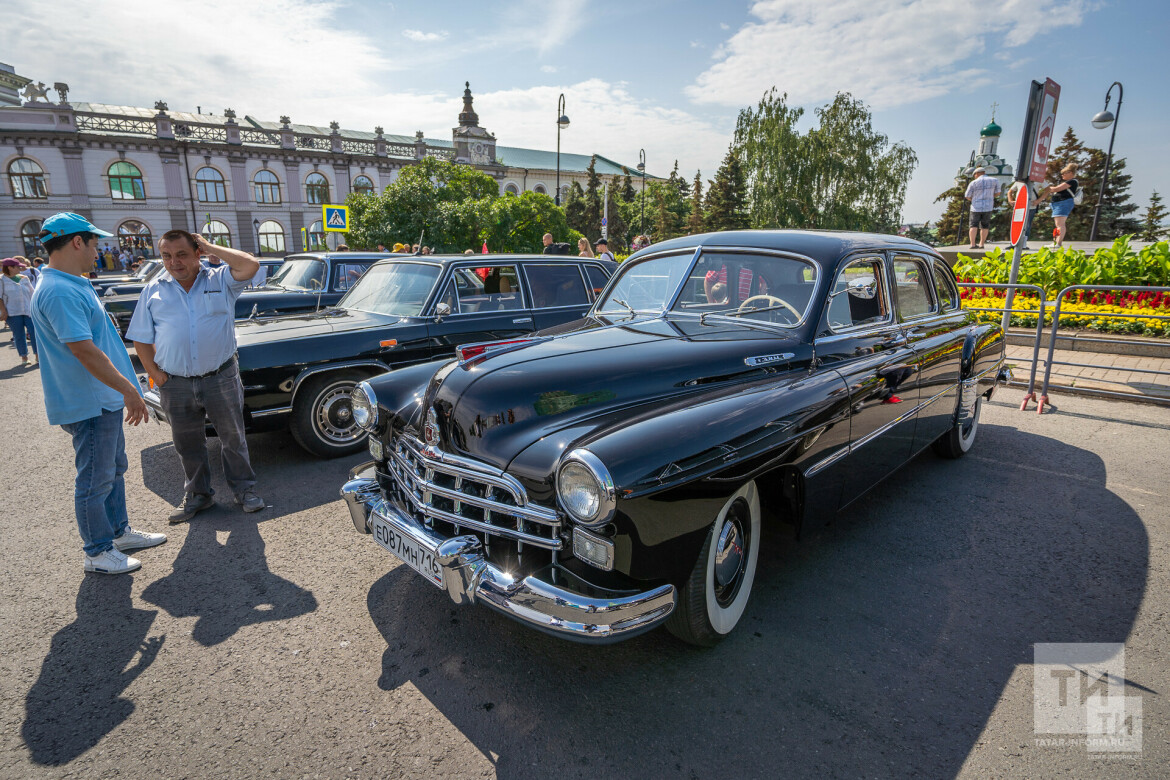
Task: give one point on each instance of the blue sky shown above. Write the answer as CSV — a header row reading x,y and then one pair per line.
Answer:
x,y
669,77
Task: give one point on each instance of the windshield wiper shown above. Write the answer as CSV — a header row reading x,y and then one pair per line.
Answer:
x,y
624,305
703,317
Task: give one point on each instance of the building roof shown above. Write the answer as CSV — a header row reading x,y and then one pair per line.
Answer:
x,y
510,156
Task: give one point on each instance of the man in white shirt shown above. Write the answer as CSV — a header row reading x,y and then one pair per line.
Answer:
x,y
184,333
981,192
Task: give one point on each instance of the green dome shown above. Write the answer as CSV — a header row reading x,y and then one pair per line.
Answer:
x,y
991,129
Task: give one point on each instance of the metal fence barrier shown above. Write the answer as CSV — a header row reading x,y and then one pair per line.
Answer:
x,y
1039,312
1049,362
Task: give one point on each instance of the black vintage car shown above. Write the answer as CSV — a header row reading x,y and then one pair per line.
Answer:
x,y
297,283
612,474
298,370
144,273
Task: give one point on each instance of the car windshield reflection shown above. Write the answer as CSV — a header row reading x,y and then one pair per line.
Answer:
x,y
766,288
300,273
396,289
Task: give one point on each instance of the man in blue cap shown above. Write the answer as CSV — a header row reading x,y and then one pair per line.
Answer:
x,y
88,380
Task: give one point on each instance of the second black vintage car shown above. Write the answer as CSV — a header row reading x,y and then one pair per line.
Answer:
x,y
611,475
305,282
298,370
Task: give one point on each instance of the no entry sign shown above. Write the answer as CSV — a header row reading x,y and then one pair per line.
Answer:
x,y
1020,211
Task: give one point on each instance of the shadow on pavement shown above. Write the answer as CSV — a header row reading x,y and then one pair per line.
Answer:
x,y
289,479
77,699
226,586
879,647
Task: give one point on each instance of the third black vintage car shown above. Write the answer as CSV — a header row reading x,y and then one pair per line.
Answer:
x,y
303,282
298,370
610,475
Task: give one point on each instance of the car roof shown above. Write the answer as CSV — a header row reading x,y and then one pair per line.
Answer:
x,y
491,259
825,246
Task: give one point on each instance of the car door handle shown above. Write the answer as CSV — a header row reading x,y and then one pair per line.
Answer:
x,y
896,341
518,320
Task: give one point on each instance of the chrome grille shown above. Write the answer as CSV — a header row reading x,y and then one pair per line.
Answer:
x,y
440,487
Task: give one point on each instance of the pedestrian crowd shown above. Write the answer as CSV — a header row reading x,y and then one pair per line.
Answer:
x,y
983,190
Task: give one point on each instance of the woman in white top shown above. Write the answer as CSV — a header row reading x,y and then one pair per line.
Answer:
x,y
16,307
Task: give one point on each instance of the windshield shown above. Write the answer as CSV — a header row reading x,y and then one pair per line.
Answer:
x,y
397,289
300,273
148,271
761,287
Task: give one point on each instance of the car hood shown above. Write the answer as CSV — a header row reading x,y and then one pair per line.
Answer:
x,y
286,327
494,407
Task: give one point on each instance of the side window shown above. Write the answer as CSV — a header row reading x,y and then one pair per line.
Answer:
x,y
450,298
556,285
852,309
948,294
912,282
597,279
490,288
345,274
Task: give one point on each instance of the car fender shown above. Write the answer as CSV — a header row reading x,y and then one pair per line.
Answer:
x,y
983,348
373,367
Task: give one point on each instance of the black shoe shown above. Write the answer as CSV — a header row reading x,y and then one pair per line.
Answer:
x,y
193,504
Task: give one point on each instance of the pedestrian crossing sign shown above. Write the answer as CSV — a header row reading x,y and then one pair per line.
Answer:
x,y
336,218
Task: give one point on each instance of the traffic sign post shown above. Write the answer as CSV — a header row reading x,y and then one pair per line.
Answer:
x,y
1020,214
335,218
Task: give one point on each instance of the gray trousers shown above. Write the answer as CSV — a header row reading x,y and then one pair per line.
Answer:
x,y
220,399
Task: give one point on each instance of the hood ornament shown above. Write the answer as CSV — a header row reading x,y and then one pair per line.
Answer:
x,y
431,429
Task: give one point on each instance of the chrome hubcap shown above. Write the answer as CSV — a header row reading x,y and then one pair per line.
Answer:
x,y
335,416
729,554
732,546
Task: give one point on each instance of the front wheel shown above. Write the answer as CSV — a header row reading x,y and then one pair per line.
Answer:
x,y
322,417
714,597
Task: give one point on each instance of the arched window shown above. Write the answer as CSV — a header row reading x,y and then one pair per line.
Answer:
x,y
539,188
363,185
136,237
317,237
28,236
209,186
126,182
316,189
272,237
267,187
27,179
512,188
217,233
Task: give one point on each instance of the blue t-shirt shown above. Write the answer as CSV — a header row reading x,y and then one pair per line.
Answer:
x,y
65,309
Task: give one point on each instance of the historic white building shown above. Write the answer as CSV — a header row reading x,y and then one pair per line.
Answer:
x,y
254,183
988,158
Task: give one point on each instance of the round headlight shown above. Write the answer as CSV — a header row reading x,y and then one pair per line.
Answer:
x,y
365,409
585,488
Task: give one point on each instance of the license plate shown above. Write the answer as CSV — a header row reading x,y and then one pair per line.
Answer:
x,y
407,549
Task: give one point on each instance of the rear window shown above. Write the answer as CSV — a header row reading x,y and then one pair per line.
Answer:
x,y
556,285
597,279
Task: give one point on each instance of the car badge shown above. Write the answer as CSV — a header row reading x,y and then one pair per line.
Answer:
x,y
765,360
431,429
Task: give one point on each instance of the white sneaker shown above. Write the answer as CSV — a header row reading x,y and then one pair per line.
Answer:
x,y
137,540
112,562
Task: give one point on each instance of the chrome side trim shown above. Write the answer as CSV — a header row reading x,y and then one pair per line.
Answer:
x,y
272,412
308,372
826,462
867,438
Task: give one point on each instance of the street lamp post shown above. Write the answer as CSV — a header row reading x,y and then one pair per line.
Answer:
x,y
1101,121
562,122
259,247
642,168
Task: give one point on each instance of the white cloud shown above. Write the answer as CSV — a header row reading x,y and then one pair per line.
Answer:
x,y
543,25
548,69
696,45
724,26
425,37
888,53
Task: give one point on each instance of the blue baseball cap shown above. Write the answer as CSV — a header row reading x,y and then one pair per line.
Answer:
x,y
66,224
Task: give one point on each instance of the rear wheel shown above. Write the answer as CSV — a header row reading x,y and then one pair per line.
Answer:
x,y
961,437
322,417
714,597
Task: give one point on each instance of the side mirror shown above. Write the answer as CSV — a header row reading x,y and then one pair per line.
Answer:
x,y
864,288
442,309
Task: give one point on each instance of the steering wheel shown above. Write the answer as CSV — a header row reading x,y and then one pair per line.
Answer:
x,y
772,300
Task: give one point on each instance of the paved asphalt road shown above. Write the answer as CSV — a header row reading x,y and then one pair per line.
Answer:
x,y
897,643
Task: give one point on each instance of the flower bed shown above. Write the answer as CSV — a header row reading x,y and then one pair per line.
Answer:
x,y
1081,309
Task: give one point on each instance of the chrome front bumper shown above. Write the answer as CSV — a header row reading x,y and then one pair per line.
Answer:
x,y
154,405
468,577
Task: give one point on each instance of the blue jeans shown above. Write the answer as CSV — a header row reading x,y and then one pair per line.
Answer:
x,y
20,323
99,497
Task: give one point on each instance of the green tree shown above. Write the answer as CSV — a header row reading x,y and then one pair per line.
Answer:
x,y
842,174
1153,221
592,216
516,223
924,233
574,205
950,228
619,229
727,207
1116,211
696,223
628,194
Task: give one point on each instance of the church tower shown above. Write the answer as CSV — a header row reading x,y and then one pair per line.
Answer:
x,y
988,157
473,144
